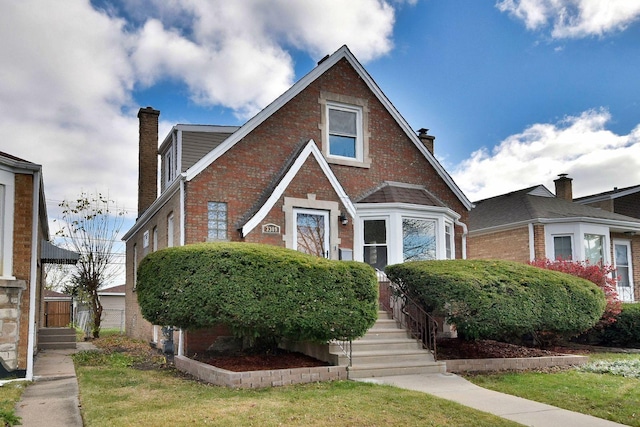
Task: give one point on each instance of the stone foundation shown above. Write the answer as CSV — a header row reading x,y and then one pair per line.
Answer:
x,y
258,379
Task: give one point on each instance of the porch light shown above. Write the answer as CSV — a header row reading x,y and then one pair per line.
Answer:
x,y
343,219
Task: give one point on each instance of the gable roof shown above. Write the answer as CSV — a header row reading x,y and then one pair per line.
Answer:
x,y
537,204
607,195
309,149
299,86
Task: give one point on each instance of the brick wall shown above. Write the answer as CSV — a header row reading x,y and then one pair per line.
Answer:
x,y
22,244
263,152
136,326
511,245
628,205
260,157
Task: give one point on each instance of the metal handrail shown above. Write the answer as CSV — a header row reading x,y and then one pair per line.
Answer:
x,y
409,313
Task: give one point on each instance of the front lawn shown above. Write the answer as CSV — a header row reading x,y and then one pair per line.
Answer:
x,y
603,395
125,387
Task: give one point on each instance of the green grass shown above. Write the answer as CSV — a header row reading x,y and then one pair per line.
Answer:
x,y
10,395
114,394
612,397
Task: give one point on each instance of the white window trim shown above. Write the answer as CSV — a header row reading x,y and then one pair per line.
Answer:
x,y
394,214
7,180
291,203
553,248
347,103
578,231
325,214
170,230
626,243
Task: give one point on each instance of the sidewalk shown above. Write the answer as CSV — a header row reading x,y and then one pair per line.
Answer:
x,y
52,400
523,411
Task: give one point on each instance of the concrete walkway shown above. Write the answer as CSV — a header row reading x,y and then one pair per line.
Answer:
x,y
523,411
52,400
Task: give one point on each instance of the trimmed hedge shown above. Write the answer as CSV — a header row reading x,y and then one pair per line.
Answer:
x,y
502,300
624,332
260,291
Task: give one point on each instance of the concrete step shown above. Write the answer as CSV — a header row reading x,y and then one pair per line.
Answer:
x,y
381,344
384,369
385,334
56,338
56,331
56,345
385,324
391,356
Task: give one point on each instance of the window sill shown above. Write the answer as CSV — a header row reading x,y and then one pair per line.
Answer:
x,y
349,162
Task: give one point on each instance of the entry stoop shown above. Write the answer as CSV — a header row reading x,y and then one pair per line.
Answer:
x,y
386,350
56,338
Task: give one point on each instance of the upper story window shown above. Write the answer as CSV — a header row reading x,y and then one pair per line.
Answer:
x,y
216,221
345,129
169,166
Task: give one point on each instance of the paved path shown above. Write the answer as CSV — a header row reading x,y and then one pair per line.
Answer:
x,y
52,400
523,411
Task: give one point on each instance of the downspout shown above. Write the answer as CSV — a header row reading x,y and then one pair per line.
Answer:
x,y
34,275
465,231
182,239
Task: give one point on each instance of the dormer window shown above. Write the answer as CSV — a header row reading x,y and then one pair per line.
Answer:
x,y
169,165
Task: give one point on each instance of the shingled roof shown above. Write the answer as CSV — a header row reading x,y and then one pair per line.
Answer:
x,y
392,192
533,204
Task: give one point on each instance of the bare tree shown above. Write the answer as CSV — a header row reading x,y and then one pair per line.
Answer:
x,y
91,225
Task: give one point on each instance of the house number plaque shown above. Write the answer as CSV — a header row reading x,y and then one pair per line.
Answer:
x,y
270,229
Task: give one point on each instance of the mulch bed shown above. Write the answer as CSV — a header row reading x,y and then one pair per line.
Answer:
x,y
448,349
282,359
453,348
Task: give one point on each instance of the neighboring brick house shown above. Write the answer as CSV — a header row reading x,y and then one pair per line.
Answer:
x,y
329,168
533,223
24,250
626,250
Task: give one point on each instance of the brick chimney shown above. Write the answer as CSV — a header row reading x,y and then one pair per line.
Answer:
x,y
147,158
426,139
564,188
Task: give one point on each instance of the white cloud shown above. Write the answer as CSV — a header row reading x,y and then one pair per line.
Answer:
x,y
69,73
596,158
574,18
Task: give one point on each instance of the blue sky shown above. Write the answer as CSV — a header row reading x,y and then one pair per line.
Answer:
x,y
515,91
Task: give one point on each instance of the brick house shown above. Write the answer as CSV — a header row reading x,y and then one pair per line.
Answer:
x,y
533,223
330,168
24,249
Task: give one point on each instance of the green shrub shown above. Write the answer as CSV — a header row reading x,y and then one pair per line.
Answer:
x,y
624,332
260,291
502,300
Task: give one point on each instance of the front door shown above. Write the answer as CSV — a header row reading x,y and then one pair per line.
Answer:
x,y
311,233
622,258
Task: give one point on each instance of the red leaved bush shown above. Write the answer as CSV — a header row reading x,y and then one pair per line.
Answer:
x,y
601,275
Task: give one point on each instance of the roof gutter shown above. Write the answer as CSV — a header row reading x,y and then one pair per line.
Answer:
x,y
31,341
